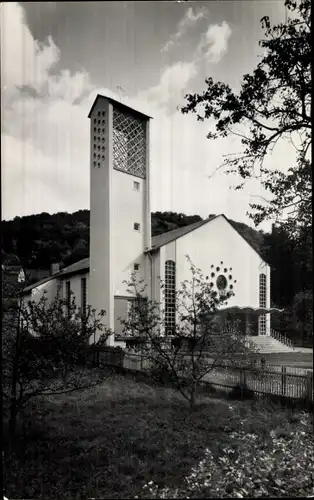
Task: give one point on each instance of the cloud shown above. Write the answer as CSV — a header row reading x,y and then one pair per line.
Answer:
x,y
24,61
44,148
45,141
173,84
188,20
175,79
214,43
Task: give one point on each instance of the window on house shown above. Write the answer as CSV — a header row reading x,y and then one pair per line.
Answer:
x,y
68,295
83,297
262,303
136,267
170,293
136,186
136,226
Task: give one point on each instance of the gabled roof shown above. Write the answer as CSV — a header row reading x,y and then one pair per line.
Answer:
x,y
118,105
157,242
162,239
29,288
81,265
243,235
77,267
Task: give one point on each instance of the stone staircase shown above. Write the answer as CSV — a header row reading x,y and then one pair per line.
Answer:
x,y
267,344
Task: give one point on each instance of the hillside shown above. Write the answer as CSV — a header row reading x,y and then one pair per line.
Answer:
x,y
37,241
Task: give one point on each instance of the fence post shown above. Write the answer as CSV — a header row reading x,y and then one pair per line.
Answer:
x,y
283,380
309,387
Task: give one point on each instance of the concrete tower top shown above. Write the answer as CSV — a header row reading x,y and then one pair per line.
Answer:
x,y
119,105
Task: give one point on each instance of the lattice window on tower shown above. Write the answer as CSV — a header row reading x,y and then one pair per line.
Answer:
x,y
129,143
98,139
170,296
262,303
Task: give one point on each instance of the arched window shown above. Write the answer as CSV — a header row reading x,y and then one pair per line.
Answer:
x,y
262,303
170,291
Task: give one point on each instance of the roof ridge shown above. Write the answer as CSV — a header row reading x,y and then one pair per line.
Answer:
x,y
169,236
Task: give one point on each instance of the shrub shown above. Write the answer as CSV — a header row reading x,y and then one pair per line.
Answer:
x,y
241,391
276,465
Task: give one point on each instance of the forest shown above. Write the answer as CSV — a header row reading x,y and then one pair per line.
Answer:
x,y
36,241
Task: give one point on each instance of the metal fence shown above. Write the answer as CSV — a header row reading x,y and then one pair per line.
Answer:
x,y
287,382
282,338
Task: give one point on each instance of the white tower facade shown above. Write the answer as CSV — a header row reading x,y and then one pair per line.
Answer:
x,y
120,219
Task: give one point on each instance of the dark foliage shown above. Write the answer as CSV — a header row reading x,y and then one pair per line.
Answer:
x,y
64,238
272,106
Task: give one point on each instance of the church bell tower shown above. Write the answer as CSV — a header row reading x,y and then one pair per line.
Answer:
x,y
120,227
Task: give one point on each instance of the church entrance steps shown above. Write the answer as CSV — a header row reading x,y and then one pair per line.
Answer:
x,y
267,344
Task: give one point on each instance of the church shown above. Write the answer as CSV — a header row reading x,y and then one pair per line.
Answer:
x,y
120,234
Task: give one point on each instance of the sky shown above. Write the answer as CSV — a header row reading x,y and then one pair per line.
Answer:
x,y
57,56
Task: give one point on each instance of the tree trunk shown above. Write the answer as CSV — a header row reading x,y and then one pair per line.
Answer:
x,y
193,396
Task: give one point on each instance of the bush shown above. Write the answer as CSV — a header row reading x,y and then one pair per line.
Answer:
x,y
241,392
278,464
161,375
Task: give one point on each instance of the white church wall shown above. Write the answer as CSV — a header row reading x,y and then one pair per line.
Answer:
x,y
101,285
155,285
162,260
209,245
116,203
76,287
128,207
48,289
170,251
218,242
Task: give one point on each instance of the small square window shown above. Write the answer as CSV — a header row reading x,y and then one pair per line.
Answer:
x,y
136,226
136,267
136,186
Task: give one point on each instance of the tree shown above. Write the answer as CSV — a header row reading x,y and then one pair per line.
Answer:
x,y
44,350
189,349
273,105
299,318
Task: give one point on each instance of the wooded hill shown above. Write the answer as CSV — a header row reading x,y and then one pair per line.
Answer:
x,y
35,242
39,240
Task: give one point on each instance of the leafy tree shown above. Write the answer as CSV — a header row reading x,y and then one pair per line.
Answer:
x,y
189,350
299,318
279,251
38,240
290,258
273,105
44,348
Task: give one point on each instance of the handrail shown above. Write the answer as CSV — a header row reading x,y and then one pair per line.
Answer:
x,y
281,338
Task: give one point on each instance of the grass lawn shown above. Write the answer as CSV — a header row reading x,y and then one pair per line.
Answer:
x,y
302,359
108,442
